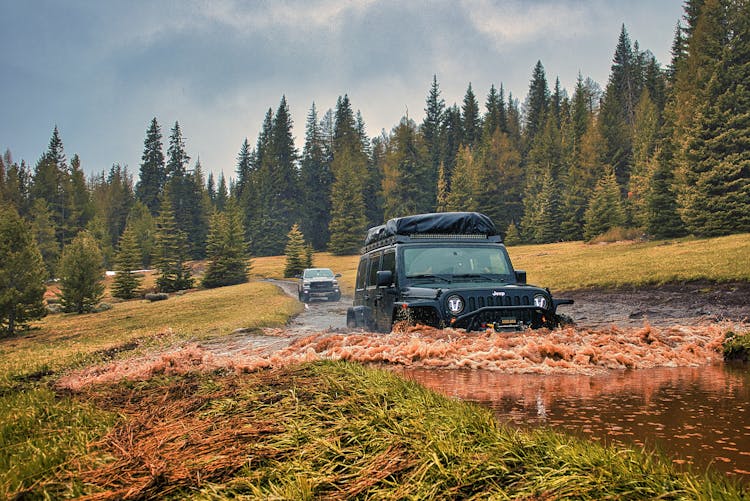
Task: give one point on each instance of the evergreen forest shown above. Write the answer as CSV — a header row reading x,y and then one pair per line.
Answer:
x,y
659,151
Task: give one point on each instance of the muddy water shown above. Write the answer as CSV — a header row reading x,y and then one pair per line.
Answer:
x,y
697,416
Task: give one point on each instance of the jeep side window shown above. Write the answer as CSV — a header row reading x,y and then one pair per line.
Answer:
x,y
362,273
389,263
372,277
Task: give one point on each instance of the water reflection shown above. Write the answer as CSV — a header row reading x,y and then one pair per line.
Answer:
x,y
698,416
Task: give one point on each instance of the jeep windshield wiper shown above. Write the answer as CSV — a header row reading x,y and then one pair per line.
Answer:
x,y
484,276
444,278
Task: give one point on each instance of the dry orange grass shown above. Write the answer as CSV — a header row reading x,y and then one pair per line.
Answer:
x,y
575,265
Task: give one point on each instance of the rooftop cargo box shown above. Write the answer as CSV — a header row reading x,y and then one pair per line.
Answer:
x,y
438,223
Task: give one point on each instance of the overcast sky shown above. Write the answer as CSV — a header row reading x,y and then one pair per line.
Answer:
x,y
102,69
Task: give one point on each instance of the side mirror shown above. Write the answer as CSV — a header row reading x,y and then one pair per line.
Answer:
x,y
338,275
521,276
385,278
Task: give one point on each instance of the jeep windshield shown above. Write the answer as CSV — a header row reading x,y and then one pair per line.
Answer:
x,y
456,262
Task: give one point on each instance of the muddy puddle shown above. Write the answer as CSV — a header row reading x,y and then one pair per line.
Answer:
x,y
698,417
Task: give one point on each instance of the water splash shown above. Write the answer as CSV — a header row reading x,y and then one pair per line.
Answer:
x,y
561,351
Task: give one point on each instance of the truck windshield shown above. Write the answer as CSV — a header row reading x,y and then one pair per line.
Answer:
x,y
318,273
455,261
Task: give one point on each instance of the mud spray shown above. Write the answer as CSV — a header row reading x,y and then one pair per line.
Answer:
x,y
561,351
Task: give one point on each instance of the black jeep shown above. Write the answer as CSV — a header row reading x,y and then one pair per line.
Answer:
x,y
445,269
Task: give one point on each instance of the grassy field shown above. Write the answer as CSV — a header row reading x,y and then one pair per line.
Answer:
x,y
575,265
326,430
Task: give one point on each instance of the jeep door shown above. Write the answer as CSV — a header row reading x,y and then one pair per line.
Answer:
x,y
371,294
385,295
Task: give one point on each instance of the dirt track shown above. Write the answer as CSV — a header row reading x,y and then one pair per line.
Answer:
x,y
674,304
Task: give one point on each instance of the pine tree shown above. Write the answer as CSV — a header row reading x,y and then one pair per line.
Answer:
x,y
499,179
22,273
211,189
661,217
81,273
537,103
348,220
645,130
44,234
295,252
453,139
284,172
82,210
170,251
226,249
244,170
177,159
470,119
463,183
128,260
716,196
18,180
544,159
112,197
52,183
349,167
432,126
512,235
547,230
153,174
316,180
222,194
442,191
605,209
142,223
580,180
405,176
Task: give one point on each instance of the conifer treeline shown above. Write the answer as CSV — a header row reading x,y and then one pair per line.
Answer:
x,y
661,150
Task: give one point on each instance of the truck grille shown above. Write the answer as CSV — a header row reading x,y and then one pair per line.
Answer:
x,y
321,286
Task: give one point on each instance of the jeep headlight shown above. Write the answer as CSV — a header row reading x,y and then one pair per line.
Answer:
x,y
455,304
540,301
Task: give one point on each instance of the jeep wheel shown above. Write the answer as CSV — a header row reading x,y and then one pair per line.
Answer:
x,y
351,320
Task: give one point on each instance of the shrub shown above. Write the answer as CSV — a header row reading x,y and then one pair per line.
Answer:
x,y
157,296
737,347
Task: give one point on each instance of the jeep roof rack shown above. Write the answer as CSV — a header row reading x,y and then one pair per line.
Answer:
x,y
437,225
